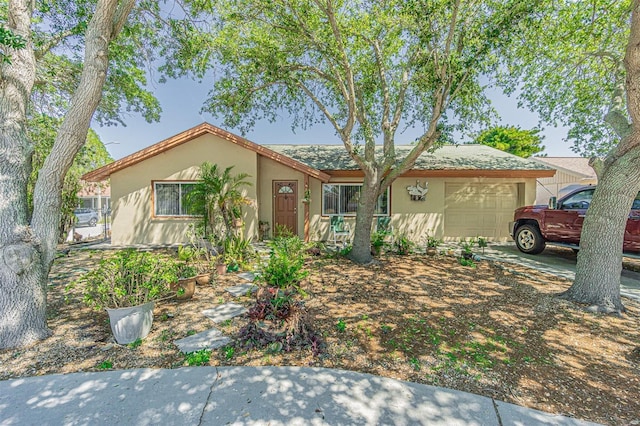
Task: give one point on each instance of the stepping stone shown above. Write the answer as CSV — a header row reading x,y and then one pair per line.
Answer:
x,y
242,289
224,312
210,339
249,276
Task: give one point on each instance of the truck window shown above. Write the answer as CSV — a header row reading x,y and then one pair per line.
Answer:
x,y
579,200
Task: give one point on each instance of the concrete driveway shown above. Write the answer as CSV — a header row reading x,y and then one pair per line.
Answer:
x,y
558,261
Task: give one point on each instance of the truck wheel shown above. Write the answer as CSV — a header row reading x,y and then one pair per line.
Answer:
x,y
529,240
93,222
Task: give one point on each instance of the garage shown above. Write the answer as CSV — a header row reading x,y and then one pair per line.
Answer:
x,y
479,209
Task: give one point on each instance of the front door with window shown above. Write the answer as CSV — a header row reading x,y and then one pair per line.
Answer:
x,y
285,205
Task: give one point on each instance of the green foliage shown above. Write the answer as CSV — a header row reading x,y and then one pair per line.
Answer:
x,y
367,68
467,245
218,198
128,278
286,262
514,140
482,243
42,131
377,240
105,365
198,358
229,352
346,250
402,245
9,41
238,252
433,242
569,75
467,262
135,344
341,326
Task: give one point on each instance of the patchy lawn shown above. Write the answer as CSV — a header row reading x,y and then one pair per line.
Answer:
x,y
494,330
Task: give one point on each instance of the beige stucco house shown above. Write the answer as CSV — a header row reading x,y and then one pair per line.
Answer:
x,y
571,172
472,189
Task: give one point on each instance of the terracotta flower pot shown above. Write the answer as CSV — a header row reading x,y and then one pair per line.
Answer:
x,y
221,269
203,279
188,285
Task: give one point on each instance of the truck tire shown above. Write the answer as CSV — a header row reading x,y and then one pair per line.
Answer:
x,y
93,222
529,240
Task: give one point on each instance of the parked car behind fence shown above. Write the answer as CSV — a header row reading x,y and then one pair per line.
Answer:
x,y
85,216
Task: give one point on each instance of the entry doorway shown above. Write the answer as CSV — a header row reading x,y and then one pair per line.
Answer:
x,y
285,206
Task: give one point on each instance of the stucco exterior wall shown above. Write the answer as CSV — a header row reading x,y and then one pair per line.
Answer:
x,y
419,218
133,220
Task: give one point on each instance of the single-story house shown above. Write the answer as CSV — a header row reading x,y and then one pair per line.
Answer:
x,y
471,190
572,172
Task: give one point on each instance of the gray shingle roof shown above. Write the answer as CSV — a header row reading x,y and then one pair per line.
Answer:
x,y
448,157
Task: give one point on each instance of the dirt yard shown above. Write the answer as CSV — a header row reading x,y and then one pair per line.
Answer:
x,y
494,330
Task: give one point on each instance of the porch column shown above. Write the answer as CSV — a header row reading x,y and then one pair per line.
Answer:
x,y
306,209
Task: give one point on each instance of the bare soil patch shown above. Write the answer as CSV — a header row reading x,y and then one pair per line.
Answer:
x,y
494,330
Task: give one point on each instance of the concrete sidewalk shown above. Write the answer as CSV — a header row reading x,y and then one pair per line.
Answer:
x,y
249,396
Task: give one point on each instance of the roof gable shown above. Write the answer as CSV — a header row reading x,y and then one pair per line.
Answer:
x,y
188,135
577,166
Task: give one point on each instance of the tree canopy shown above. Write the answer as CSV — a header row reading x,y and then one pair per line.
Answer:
x,y
514,140
370,69
568,65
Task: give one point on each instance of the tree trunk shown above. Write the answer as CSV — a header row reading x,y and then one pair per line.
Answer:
x,y
597,281
599,265
28,252
361,251
22,287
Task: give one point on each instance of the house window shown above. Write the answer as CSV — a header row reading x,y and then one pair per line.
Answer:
x,y
170,198
342,199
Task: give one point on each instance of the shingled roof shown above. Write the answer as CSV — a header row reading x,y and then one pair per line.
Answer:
x,y
318,160
448,157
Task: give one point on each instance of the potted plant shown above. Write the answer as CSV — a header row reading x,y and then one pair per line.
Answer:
x,y
126,284
467,246
432,245
221,266
185,285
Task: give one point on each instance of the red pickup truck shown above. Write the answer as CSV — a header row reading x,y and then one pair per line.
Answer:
x,y
561,223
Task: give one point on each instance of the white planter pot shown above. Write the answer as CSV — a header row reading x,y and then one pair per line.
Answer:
x,y
131,324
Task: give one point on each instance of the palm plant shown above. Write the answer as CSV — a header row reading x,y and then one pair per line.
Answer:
x,y
218,198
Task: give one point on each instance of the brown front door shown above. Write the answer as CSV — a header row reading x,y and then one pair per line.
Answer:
x,y
285,205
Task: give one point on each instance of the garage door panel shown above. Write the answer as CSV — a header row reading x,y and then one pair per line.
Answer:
x,y
479,209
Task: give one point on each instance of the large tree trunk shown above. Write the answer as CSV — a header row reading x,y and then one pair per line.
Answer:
x,y
361,251
28,252
597,281
22,287
599,265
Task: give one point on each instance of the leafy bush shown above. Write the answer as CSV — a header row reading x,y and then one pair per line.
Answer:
x,y
237,252
128,278
286,262
402,244
197,358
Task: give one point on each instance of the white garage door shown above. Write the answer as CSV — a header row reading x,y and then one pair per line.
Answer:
x,y
474,209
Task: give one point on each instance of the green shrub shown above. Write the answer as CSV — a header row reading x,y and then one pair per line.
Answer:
x,y
237,252
286,262
402,244
128,278
200,357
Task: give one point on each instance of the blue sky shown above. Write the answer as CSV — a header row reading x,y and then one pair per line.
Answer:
x,y
181,101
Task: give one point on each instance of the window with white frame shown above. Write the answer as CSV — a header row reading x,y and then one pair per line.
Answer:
x,y
170,198
342,199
